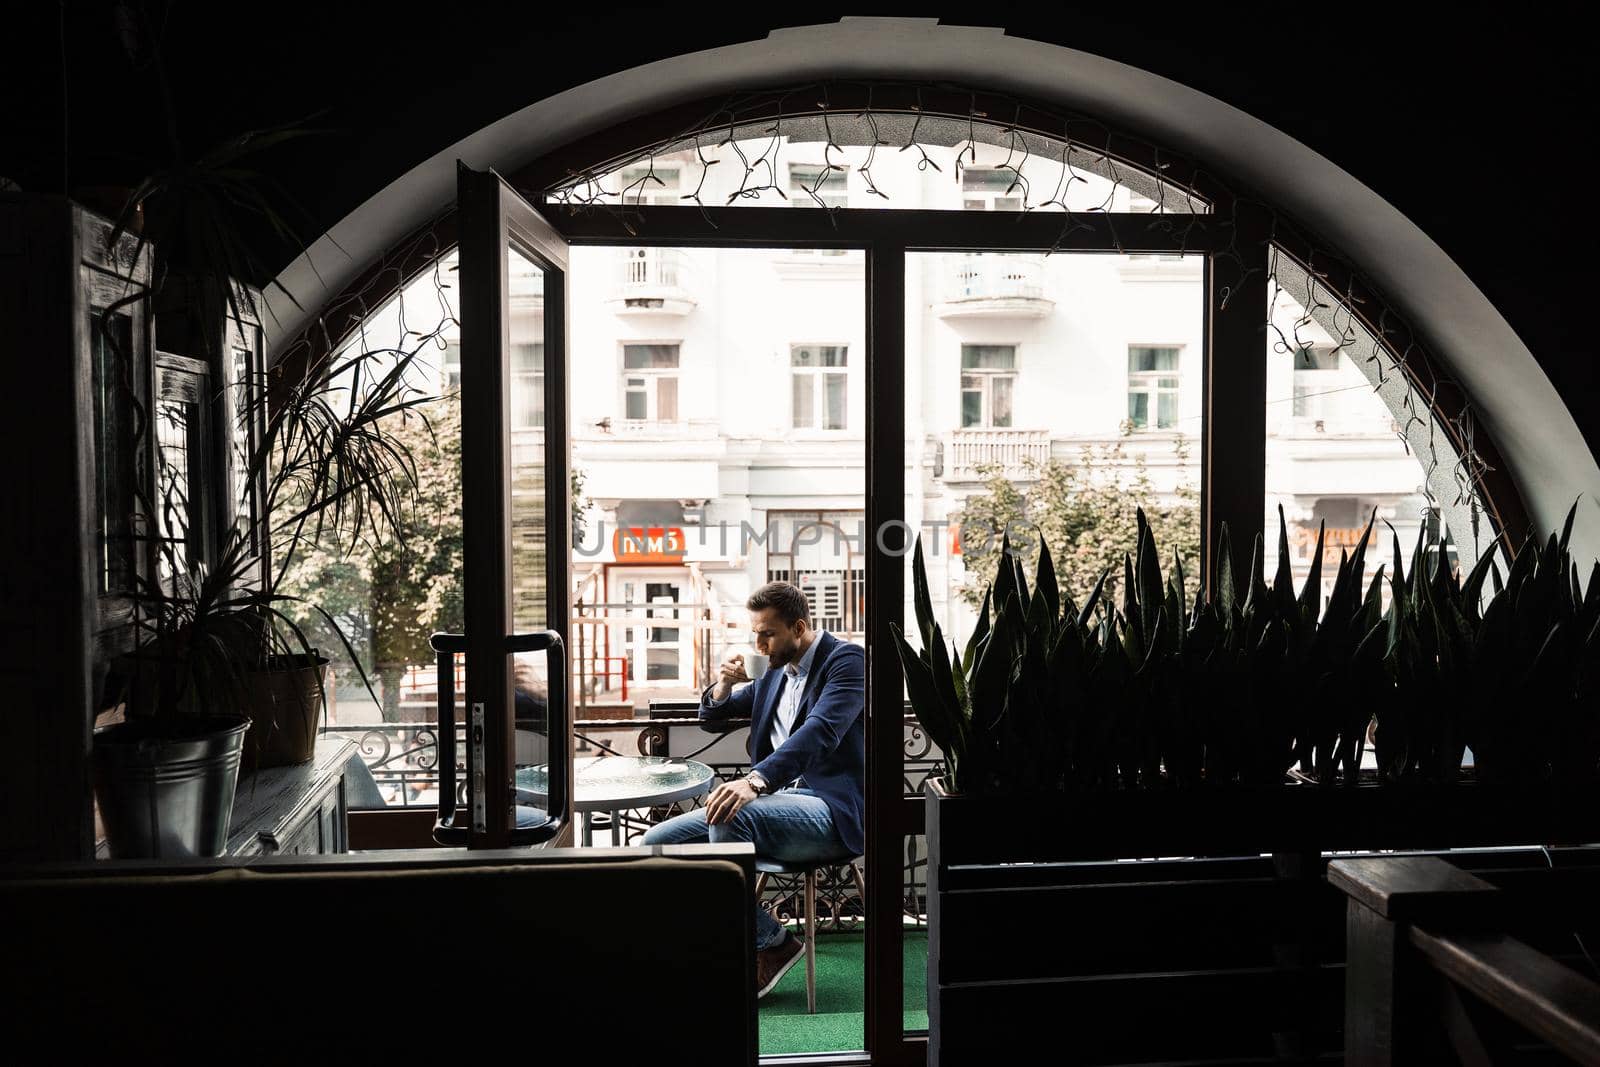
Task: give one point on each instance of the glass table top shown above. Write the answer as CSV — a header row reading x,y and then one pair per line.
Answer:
x,y
612,782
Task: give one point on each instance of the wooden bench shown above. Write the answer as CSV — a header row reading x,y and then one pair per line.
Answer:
x,y
1434,968
1192,961
630,955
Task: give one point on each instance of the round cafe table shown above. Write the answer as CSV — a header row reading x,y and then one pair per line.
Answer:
x,y
614,784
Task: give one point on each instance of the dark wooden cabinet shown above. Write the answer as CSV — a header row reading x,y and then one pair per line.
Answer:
x,y
77,343
297,810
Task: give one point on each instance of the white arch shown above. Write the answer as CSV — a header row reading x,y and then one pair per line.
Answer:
x,y
1516,402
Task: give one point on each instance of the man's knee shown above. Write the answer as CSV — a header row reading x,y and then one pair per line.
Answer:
x,y
741,827
678,830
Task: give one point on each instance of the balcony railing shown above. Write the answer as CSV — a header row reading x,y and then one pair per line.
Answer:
x,y
653,280
404,760
1013,451
994,285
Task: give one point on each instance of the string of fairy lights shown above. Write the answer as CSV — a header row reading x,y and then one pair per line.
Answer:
x,y
748,130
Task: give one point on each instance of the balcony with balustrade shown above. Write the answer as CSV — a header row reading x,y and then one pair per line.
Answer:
x,y
993,286
975,454
652,281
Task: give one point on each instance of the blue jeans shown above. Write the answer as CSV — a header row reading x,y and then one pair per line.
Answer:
x,y
790,825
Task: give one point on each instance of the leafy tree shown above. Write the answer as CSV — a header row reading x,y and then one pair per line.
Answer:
x,y
390,596
1087,512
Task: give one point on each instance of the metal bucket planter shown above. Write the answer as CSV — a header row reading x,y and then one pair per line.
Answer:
x,y
285,711
165,786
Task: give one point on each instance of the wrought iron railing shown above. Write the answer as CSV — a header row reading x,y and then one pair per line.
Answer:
x,y
403,759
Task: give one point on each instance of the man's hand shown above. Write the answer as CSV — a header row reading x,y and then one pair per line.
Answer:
x,y
726,800
730,674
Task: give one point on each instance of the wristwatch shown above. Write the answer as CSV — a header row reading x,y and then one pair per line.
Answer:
x,y
758,783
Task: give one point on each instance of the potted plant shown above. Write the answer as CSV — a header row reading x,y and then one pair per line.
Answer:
x,y
220,672
1229,726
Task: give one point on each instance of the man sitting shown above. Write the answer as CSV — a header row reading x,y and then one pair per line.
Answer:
x,y
804,797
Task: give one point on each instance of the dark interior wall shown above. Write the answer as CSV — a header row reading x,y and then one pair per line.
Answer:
x,y
1471,121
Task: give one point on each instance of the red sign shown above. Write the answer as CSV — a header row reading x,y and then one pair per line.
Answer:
x,y
649,544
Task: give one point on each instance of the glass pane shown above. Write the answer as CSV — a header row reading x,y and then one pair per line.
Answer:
x,y
645,357
988,357
747,166
1322,412
1000,402
1167,410
836,408
243,435
529,540
661,665
388,598
180,501
804,393
1144,358
971,408
1054,461
833,355
637,406
984,180
115,453
914,929
527,356
527,389
803,356
811,182
667,399
1139,409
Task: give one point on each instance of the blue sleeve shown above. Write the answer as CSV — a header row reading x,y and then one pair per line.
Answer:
x,y
741,704
835,711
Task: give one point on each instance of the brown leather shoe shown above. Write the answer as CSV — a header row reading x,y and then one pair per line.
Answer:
x,y
773,963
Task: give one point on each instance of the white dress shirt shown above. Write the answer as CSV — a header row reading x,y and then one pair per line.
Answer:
x,y
794,688
789,703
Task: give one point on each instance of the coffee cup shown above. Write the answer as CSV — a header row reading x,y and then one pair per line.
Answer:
x,y
755,665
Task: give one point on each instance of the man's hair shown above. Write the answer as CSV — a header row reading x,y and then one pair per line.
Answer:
x,y
788,599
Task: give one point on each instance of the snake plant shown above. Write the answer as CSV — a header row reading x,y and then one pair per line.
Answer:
x,y
1251,678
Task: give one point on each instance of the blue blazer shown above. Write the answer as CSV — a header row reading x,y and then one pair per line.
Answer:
x,y
828,744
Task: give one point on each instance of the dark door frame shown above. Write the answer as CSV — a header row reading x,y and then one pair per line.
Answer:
x,y
1233,454
494,220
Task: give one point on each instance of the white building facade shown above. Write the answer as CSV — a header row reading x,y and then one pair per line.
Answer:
x,y
718,403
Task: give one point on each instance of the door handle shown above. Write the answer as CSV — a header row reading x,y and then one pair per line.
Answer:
x,y
559,797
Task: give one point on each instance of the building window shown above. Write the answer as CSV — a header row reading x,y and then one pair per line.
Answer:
x,y
450,368
642,185
988,385
817,551
990,189
830,184
1152,388
527,386
1315,375
650,383
819,386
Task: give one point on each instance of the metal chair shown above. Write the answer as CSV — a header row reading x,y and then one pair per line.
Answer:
x,y
767,867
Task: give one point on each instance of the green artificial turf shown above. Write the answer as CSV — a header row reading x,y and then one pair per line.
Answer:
x,y
841,977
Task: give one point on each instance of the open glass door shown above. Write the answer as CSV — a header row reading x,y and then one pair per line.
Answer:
x,y
515,534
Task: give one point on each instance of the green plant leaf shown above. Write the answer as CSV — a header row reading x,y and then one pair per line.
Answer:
x,y
1045,582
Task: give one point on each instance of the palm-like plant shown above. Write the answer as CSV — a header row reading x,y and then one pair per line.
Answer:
x,y
335,473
